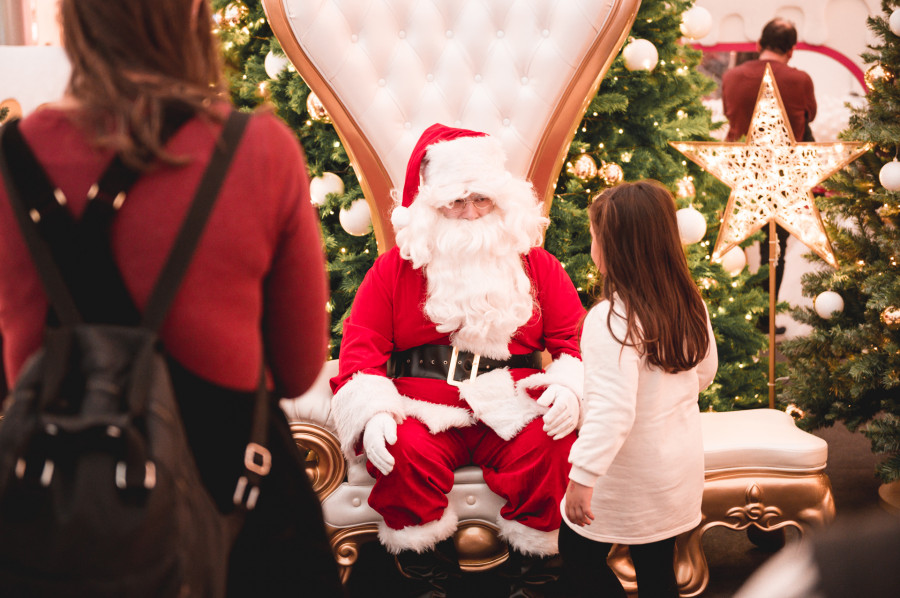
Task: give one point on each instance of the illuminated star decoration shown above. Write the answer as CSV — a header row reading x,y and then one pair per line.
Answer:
x,y
771,175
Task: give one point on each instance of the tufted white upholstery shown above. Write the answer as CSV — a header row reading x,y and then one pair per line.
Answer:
x,y
521,70
759,439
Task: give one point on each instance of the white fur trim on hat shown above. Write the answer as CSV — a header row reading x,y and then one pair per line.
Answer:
x,y
527,540
465,160
495,401
565,370
418,537
400,217
363,396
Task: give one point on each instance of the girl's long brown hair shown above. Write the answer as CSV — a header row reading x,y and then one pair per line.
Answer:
x,y
646,270
132,59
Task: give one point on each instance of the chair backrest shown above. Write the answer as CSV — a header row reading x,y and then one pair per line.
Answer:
x,y
523,71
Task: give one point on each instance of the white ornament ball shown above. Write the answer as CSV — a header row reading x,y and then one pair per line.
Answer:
x,y
696,23
828,303
889,176
356,219
691,225
275,63
322,186
734,261
894,22
640,54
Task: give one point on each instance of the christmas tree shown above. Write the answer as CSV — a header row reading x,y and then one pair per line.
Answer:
x,y
626,131
848,368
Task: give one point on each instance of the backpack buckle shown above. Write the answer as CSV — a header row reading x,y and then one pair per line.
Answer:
x,y
257,460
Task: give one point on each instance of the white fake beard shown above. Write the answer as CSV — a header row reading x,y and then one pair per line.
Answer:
x,y
477,287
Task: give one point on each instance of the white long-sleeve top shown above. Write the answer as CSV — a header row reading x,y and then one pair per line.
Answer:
x,y
640,445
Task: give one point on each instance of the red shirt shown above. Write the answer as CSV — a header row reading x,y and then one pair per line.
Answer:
x,y
740,88
259,264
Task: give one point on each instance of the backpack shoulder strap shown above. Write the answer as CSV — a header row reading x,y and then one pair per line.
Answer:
x,y
12,144
189,236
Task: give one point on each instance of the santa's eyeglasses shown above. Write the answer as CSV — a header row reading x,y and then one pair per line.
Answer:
x,y
481,203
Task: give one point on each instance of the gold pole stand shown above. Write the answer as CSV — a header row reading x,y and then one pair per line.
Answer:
x,y
773,257
889,497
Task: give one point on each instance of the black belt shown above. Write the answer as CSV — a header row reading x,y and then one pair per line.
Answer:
x,y
437,362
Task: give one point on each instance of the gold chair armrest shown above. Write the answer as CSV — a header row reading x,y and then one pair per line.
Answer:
x,y
325,463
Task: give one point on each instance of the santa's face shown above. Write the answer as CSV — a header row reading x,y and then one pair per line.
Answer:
x,y
471,207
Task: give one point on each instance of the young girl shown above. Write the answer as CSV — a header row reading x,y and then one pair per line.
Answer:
x,y
648,350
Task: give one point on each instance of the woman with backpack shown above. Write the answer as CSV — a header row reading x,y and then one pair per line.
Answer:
x,y
146,87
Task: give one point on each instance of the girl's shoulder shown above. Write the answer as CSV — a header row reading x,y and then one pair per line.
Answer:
x,y
603,314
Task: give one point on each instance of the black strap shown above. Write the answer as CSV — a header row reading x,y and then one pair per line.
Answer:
x,y
179,257
189,236
81,250
435,361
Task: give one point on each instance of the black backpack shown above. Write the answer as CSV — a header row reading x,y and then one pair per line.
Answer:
x,y
99,492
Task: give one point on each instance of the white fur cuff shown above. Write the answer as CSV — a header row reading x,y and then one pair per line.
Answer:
x,y
418,537
357,401
495,401
565,370
527,540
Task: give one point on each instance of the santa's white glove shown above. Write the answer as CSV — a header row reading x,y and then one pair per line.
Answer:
x,y
565,409
380,432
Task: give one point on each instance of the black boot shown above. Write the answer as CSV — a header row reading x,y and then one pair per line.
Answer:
x,y
533,576
436,570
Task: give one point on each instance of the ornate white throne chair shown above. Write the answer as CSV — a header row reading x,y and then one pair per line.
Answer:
x,y
523,71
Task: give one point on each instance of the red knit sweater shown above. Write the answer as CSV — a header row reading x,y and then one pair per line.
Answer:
x,y
259,262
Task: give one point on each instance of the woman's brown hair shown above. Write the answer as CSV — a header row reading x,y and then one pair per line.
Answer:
x,y
132,60
646,271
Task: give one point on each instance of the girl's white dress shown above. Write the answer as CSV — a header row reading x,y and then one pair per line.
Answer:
x,y
640,445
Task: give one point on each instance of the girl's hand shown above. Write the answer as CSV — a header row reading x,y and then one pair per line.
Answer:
x,y
578,503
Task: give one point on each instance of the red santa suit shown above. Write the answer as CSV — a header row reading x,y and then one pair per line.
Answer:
x,y
493,420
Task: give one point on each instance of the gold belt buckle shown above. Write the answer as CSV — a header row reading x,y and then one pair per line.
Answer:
x,y
451,374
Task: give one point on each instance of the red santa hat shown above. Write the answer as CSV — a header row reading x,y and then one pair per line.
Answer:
x,y
458,157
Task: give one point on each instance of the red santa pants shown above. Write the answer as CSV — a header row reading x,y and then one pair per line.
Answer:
x,y
530,471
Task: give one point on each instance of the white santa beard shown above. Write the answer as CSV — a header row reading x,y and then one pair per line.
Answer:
x,y
477,287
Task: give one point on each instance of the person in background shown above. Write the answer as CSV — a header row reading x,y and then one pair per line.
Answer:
x,y
256,286
648,350
467,295
740,89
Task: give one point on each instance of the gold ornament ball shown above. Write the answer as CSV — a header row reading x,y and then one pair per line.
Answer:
x,y
890,317
684,188
584,168
877,73
316,109
612,173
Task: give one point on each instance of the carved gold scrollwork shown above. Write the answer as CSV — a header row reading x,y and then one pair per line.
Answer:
x,y
754,511
345,545
325,464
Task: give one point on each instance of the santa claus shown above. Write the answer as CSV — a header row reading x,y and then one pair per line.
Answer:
x,y
441,358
